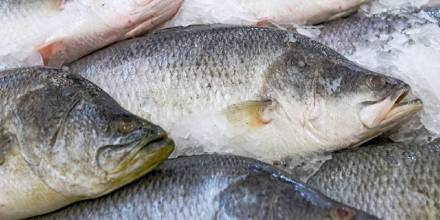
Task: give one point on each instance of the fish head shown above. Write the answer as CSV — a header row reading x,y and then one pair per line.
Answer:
x,y
345,104
359,104
83,144
133,17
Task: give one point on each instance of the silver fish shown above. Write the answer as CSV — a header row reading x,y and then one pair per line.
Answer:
x,y
212,187
389,180
62,139
268,93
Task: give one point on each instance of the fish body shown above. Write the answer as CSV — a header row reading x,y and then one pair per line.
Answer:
x,y
253,12
62,140
389,180
212,187
267,92
55,32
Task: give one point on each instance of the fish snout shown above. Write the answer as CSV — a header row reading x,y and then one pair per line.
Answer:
x,y
146,139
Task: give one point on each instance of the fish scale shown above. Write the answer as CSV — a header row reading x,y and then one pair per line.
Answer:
x,y
211,187
179,72
390,180
263,92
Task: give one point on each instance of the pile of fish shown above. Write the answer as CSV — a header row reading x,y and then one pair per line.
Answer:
x,y
188,109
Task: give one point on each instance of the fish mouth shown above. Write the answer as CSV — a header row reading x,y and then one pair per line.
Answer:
x,y
147,154
391,110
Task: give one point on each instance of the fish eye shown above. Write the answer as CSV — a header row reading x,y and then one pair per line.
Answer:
x,y
376,82
126,126
342,213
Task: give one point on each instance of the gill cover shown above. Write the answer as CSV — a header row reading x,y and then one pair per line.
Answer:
x,y
39,118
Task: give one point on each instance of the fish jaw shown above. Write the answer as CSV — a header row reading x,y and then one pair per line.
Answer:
x,y
141,161
389,110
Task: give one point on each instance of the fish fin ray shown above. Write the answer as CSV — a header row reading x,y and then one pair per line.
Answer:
x,y
50,52
248,114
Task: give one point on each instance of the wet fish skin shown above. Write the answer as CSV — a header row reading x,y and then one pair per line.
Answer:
x,y
389,180
55,32
63,140
346,35
268,93
212,187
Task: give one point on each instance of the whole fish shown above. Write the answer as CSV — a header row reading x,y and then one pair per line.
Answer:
x,y
389,180
251,12
55,32
212,187
62,139
268,93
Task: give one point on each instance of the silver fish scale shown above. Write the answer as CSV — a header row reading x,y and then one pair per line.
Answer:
x,y
208,187
13,85
345,35
170,193
191,69
391,181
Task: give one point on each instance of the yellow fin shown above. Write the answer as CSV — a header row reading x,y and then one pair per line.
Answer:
x,y
248,114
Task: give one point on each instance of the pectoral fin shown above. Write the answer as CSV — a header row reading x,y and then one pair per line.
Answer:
x,y
52,52
249,114
268,23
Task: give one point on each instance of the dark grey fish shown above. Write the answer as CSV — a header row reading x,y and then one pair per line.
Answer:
x,y
212,187
259,92
389,180
62,139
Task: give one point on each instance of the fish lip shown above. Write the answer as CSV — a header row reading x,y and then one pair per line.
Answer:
x,y
402,108
148,157
390,109
146,145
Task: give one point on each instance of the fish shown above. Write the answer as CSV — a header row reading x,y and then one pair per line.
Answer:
x,y
62,140
56,32
212,187
261,12
389,180
259,92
